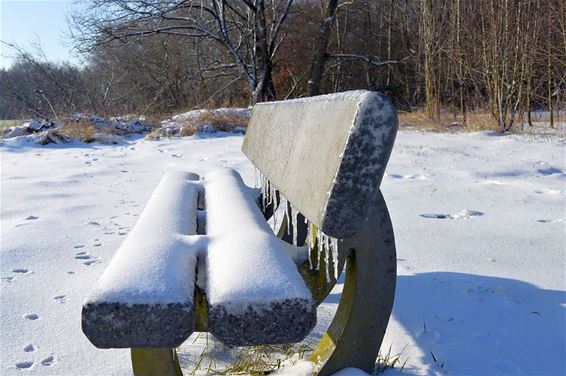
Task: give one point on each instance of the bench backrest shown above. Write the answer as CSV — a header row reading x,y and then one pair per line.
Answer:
x,y
325,154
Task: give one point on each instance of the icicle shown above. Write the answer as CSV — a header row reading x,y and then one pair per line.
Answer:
x,y
294,215
334,245
263,192
319,243
274,219
289,217
326,256
309,240
255,177
275,201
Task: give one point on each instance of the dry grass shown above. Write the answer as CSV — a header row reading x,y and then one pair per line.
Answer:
x,y
475,121
82,130
253,360
221,121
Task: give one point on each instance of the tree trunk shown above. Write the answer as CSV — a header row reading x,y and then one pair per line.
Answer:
x,y
321,54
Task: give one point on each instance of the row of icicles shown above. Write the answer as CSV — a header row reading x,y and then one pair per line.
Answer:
x,y
315,238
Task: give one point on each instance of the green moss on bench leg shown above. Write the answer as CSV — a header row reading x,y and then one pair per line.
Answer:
x,y
155,362
356,333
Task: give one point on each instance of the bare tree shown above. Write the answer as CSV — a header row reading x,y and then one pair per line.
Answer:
x,y
250,31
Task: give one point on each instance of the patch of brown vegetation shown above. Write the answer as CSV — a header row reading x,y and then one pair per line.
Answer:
x,y
221,121
475,121
82,130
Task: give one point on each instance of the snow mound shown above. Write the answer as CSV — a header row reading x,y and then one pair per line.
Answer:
x,y
233,120
78,127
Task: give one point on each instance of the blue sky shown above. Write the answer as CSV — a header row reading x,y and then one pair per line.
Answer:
x,y
25,21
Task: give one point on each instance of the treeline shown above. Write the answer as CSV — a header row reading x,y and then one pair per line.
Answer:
x,y
507,57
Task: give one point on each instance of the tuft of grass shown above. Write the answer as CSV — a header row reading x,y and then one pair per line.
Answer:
x,y
154,135
221,121
254,360
388,360
264,359
82,130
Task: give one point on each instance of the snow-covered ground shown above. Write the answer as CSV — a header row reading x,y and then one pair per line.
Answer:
x,y
480,232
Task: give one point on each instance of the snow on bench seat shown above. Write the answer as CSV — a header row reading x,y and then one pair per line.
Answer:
x,y
255,293
145,298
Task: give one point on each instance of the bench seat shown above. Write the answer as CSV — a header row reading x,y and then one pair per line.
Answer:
x,y
254,291
145,297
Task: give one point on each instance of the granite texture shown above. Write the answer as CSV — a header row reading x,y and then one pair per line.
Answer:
x,y
115,325
288,321
362,167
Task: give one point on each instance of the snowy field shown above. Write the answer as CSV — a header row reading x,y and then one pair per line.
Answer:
x,y
480,230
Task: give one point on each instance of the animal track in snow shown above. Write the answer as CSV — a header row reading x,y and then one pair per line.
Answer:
x,y
548,192
30,348
31,316
464,214
411,177
491,182
49,361
24,365
83,255
90,259
550,220
60,298
90,262
21,271
547,171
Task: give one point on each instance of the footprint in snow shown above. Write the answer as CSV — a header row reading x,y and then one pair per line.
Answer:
x,y
8,279
60,298
93,223
21,271
31,316
82,256
91,262
464,214
49,361
31,218
547,171
411,177
176,156
491,182
24,365
30,348
79,246
550,220
548,192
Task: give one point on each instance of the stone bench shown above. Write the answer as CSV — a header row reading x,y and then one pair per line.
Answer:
x,y
202,256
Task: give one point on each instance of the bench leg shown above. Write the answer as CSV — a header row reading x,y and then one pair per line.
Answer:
x,y
155,362
357,330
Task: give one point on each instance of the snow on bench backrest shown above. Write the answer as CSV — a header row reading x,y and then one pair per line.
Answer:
x,y
325,154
